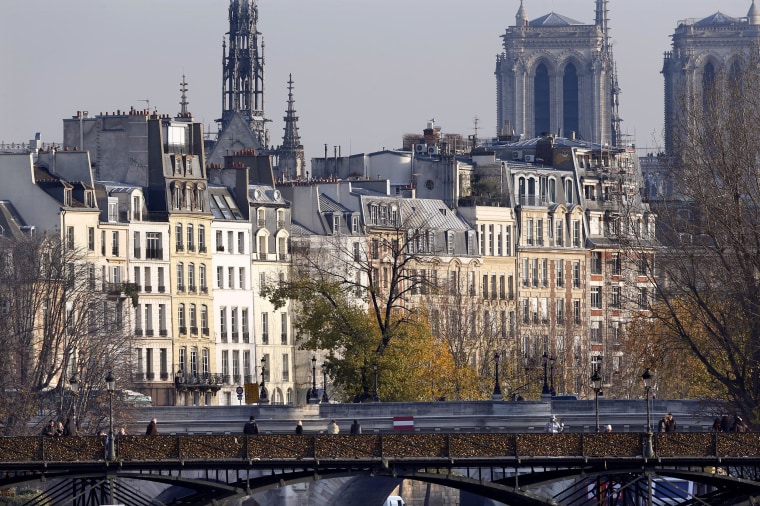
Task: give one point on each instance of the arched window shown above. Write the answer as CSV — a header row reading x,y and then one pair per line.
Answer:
x,y
570,119
541,100
708,85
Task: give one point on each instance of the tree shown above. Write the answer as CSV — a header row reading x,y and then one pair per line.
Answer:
x,y
55,325
708,276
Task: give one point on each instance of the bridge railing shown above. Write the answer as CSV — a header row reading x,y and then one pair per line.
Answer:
x,y
377,446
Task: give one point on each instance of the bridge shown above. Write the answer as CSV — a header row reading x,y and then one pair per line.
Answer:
x,y
511,468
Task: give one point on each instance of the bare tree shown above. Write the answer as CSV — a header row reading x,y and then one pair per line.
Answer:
x,y
55,324
708,277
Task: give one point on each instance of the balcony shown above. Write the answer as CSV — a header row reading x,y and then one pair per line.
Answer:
x,y
161,289
194,331
204,382
149,333
205,331
164,376
219,247
202,248
246,337
137,252
163,333
138,332
154,254
179,247
234,337
183,330
191,247
204,289
150,376
248,378
192,288
223,337
180,288
236,379
148,288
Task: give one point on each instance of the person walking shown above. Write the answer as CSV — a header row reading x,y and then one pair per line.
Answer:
x,y
152,429
668,423
299,427
356,427
553,426
608,428
251,428
67,431
332,427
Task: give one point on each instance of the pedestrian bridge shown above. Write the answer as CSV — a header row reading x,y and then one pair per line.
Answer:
x,y
530,469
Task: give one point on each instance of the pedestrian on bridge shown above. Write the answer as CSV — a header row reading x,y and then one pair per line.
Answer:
x,y
250,427
299,427
668,423
152,429
356,427
332,427
608,428
554,426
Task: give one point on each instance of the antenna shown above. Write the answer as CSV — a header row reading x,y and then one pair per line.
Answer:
x,y
147,101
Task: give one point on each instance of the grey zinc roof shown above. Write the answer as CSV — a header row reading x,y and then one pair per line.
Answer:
x,y
554,19
298,230
328,205
266,194
10,221
421,213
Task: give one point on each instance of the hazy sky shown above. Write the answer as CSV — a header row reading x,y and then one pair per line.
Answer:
x,y
365,72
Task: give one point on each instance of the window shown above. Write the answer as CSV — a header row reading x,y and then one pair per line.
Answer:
x,y
241,242
540,232
219,241
201,239
194,361
181,319
284,328
153,246
643,298
193,319
112,210
70,237
180,277
226,364
577,311
220,277
485,286
91,238
241,277
502,287
190,237
576,274
560,311
560,231
162,320
115,243
615,302
182,360
524,273
191,277
204,319
236,366
285,367
230,241
178,237
577,233
526,310
163,363
103,242
596,262
223,323
534,271
136,245
205,356
264,328
234,324
161,285
230,277
247,365
244,324
560,273
596,333
202,278
529,232
615,263
596,297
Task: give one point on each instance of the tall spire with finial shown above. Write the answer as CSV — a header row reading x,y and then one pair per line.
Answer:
x,y
602,21
291,155
521,18
183,111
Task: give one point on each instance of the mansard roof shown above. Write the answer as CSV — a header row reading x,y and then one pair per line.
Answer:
x,y
554,19
328,205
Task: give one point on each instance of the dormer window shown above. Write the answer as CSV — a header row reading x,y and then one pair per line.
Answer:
x,y
113,210
136,209
67,197
89,196
450,242
336,224
354,224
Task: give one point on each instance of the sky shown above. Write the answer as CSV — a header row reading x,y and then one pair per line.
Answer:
x,y
365,72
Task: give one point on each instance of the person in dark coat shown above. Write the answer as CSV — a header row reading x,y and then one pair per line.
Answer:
x,y
152,429
299,427
356,427
250,427
668,423
67,430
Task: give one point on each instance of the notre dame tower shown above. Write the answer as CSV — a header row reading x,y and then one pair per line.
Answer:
x,y
557,75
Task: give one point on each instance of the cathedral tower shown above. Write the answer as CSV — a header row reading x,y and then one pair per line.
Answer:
x,y
243,65
557,76
706,52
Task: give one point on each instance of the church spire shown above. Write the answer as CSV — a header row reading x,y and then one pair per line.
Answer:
x,y
243,69
753,16
602,20
291,155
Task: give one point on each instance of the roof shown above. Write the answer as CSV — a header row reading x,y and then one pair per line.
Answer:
x,y
718,19
328,205
421,213
265,194
554,19
222,204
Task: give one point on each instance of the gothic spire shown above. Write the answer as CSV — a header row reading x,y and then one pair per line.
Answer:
x,y
291,155
183,103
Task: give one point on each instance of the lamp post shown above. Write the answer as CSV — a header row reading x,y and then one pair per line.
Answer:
x,y
545,392
263,394
110,386
596,382
551,377
649,447
325,399
496,388
74,384
375,397
313,396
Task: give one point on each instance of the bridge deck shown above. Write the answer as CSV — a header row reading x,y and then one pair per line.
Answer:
x,y
506,448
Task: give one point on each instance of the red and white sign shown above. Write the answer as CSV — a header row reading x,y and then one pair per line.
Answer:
x,y
403,423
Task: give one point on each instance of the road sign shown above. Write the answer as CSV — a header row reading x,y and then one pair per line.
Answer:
x,y
239,390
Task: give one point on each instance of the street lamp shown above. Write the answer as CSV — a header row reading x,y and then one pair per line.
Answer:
x,y
545,392
496,388
376,397
325,399
649,448
74,384
110,386
313,396
263,395
551,376
596,382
